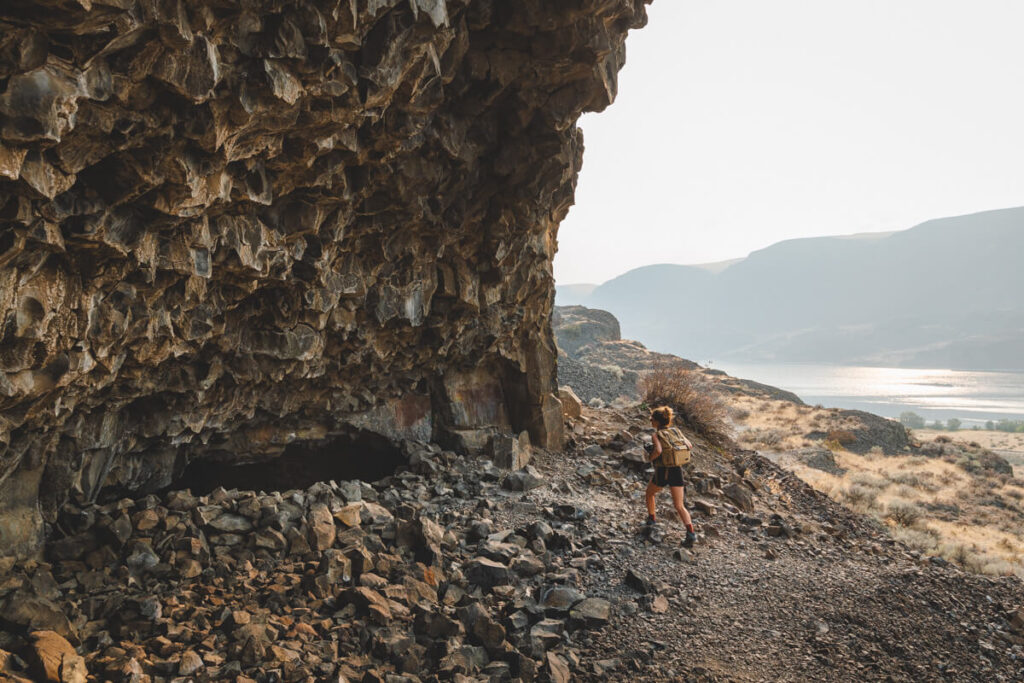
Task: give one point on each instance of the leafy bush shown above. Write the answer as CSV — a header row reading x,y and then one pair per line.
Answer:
x,y
912,420
697,407
1006,426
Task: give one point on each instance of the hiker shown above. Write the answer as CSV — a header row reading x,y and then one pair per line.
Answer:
x,y
671,451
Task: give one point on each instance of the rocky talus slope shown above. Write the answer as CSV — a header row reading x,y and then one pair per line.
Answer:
x,y
455,569
595,360
598,363
227,227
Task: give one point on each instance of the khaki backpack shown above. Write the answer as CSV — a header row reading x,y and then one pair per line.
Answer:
x,y
675,449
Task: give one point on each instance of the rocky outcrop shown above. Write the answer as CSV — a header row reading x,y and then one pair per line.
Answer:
x,y
865,431
594,359
578,326
226,227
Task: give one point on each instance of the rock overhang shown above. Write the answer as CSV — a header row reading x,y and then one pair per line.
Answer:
x,y
225,228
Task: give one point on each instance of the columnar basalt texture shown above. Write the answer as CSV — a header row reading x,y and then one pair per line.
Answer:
x,y
228,226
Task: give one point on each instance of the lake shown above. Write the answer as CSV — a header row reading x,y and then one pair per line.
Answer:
x,y
972,397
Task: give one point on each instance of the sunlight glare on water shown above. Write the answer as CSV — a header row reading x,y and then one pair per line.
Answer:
x,y
935,394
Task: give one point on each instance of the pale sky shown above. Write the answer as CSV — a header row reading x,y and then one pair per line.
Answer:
x,y
740,123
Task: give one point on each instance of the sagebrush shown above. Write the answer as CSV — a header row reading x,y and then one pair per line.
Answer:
x,y
697,407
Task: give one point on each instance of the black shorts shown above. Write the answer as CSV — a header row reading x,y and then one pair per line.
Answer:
x,y
668,476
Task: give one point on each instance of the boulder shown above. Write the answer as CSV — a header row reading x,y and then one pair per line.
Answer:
x,y
559,599
322,531
487,573
423,536
819,458
638,582
54,660
740,495
525,479
572,406
511,452
591,612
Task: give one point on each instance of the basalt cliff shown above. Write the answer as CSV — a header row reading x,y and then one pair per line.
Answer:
x,y
227,228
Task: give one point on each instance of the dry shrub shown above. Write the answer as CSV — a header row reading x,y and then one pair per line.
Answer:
x,y
903,513
922,539
996,567
740,414
858,496
762,437
696,406
614,370
869,480
841,436
956,553
904,491
906,479
1014,493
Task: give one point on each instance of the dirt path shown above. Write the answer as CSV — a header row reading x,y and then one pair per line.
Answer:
x,y
747,607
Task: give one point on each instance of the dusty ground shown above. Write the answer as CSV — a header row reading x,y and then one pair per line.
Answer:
x,y
839,601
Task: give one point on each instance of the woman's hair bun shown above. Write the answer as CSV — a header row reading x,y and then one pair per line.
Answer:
x,y
662,415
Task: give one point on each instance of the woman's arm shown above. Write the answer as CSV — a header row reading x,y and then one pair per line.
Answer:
x,y
656,451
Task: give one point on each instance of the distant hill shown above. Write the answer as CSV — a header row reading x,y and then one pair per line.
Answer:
x,y
571,295
946,293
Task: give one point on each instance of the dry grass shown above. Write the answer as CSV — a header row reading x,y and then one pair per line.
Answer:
x,y
779,426
973,519
768,438
696,402
997,441
916,498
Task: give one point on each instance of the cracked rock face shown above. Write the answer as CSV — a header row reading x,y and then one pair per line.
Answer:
x,y
226,227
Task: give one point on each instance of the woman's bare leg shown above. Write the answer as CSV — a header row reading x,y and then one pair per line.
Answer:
x,y
677,500
652,490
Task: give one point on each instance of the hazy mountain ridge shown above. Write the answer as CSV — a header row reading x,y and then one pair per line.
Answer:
x,y
945,293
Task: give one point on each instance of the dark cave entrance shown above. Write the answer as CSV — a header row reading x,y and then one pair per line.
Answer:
x,y
365,456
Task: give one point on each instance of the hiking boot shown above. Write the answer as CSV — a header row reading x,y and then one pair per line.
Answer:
x,y
689,540
650,520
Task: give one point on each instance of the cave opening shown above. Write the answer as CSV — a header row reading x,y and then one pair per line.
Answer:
x,y
365,456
